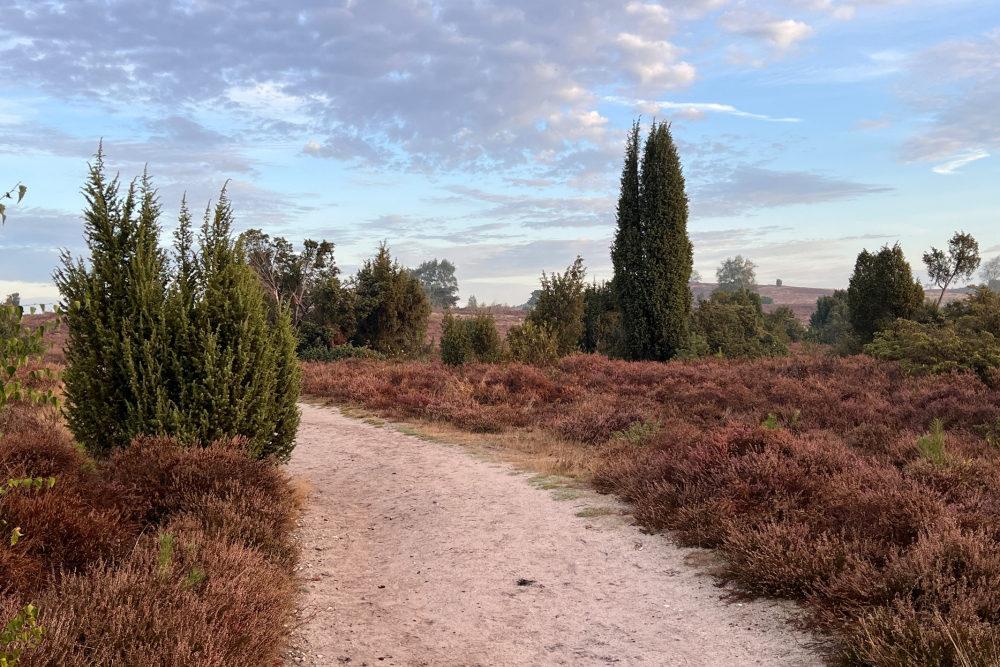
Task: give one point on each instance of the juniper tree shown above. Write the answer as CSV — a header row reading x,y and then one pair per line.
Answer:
x,y
234,360
117,343
392,308
667,253
882,289
628,259
560,306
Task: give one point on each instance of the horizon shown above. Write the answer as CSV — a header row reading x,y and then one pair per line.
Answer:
x,y
492,135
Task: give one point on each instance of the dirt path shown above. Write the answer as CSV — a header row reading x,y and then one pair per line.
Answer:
x,y
417,553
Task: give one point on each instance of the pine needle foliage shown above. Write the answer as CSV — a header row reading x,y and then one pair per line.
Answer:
x,y
392,308
183,348
882,290
560,307
652,253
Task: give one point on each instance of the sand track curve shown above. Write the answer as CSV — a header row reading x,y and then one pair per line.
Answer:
x,y
416,553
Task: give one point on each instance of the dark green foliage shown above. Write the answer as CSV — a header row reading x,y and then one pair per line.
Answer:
x,y
234,363
601,327
733,325
532,300
470,339
736,273
439,282
392,308
959,263
882,290
346,351
118,348
561,306
188,353
831,319
531,343
966,337
766,300
652,253
783,324
629,260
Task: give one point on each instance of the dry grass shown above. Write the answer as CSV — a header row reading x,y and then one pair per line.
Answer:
x,y
894,550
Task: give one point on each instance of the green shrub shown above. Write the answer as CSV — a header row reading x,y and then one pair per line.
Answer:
x,y
530,343
470,339
338,352
186,348
732,325
561,307
767,300
931,446
783,324
599,317
932,349
392,308
882,290
831,319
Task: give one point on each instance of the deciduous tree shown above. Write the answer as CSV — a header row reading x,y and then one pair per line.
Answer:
x,y
959,262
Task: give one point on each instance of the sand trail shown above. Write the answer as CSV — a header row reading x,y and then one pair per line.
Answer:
x,y
416,553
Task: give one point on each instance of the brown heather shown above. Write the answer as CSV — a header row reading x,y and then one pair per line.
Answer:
x,y
894,552
92,561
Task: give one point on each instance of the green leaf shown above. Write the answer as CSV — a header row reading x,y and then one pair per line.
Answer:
x,y
21,189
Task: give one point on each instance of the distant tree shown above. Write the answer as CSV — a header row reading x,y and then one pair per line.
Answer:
x,y
532,300
990,270
392,308
958,263
778,282
561,306
12,300
831,319
736,273
695,276
439,282
472,304
290,278
651,253
882,290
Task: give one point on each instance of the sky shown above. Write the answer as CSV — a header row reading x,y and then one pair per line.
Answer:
x,y
492,133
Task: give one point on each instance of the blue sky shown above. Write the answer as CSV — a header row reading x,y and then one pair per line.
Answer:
x,y
490,133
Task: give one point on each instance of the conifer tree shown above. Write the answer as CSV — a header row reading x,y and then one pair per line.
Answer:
x,y
882,289
117,341
392,308
668,252
237,370
628,259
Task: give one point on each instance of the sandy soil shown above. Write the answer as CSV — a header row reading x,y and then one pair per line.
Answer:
x,y
417,553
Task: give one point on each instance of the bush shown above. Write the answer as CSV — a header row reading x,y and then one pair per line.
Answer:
x,y
561,306
831,319
392,309
733,325
470,339
600,319
187,348
783,325
338,352
964,340
882,290
534,344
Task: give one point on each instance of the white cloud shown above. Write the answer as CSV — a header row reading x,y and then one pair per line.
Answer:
x,y
781,35
959,161
694,108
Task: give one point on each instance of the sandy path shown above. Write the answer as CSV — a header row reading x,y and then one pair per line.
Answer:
x,y
413,551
